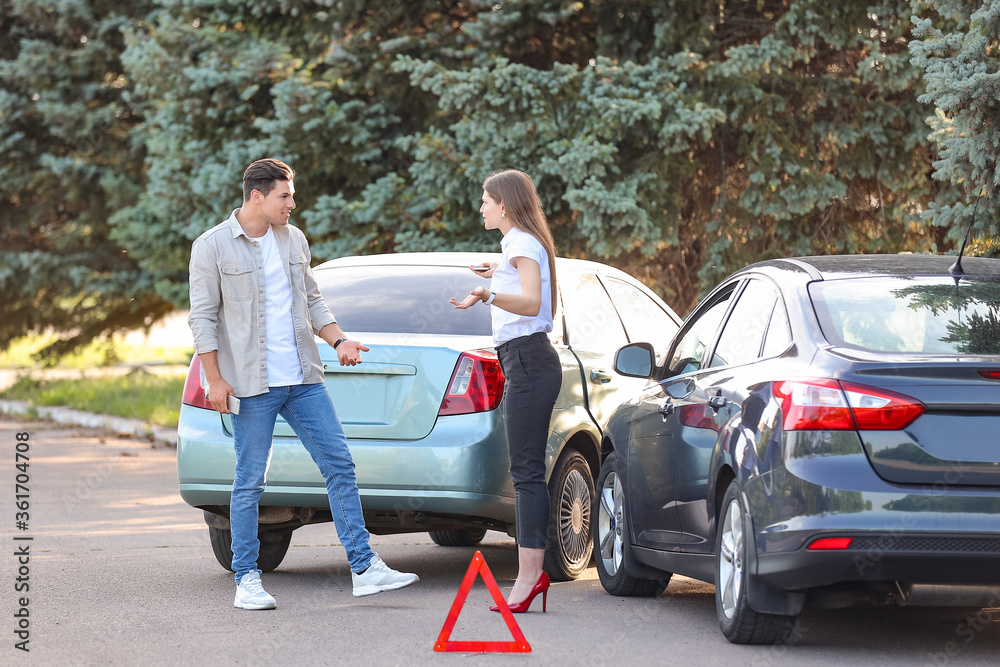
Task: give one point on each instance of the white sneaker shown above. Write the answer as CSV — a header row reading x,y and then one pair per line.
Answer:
x,y
380,577
250,594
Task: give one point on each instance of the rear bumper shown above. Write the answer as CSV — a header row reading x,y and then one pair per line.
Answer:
x,y
918,534
459,469
915,558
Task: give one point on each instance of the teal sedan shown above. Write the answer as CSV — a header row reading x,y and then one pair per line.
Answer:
x,y
422,412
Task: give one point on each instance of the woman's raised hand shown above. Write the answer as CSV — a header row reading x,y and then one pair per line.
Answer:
x,y
475,296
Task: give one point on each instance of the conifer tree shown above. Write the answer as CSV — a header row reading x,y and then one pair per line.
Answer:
x,y
67,163
959,53
678,140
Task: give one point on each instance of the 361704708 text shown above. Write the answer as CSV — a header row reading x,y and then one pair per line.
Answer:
x,y
22,540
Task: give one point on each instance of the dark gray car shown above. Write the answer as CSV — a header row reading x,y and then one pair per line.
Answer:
x,y
822,429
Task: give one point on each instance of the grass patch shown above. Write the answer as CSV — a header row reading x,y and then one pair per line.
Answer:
x,y
99,353
155,399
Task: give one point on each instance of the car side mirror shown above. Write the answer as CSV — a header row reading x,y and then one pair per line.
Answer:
x,y
635,360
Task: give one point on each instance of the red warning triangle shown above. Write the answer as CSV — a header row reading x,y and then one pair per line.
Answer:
x,y
519,645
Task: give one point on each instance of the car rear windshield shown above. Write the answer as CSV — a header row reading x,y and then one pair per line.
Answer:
x,y
911,315
403,299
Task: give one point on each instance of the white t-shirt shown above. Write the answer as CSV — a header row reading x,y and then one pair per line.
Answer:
x,y
507,325
283,365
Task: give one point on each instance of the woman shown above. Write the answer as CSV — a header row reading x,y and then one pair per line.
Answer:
x,y
523,298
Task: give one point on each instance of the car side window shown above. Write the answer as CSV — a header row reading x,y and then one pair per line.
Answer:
x,y
592,322
645,320
743,335
778,336
689,351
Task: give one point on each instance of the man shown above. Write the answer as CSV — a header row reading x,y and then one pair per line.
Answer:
x,y
254,309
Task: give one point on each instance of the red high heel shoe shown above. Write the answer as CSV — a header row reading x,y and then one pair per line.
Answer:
x,y
541,586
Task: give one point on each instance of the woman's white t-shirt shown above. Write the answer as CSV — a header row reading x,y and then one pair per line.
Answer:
x,y
506,325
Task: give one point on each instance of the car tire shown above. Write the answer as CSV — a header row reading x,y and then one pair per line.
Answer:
x,y
463,537
739,623
273,547
571,498
611,535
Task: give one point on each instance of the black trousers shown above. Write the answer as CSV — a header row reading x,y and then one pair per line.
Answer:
x,y
533,377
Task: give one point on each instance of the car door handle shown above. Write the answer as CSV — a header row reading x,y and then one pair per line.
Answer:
x,y
599,377
666,410
716,402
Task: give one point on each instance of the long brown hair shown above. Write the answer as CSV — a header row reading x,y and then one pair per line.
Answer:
x,y
515,190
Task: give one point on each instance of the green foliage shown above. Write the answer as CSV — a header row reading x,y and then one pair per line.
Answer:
x,y
974,310
959,53
67,163
679,140
758,130
979,335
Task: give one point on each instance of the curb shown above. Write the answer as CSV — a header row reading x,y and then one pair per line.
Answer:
x,y
136,428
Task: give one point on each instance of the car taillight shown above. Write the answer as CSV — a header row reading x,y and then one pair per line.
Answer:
x,y
476,385
829,405
831,543
696,415
194,389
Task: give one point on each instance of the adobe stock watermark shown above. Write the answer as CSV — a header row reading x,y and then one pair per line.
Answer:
x,y
974,624
966,632
87,484
901,529
22,540
795,631
387,12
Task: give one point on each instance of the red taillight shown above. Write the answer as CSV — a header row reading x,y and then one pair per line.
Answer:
x,y
829,405
830,543
990,375
476,385
194,390
815,405
696,415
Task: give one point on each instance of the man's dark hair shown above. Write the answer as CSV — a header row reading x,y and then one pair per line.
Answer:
x,y
262,174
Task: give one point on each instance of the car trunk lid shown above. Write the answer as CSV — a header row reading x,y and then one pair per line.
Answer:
x,y
396,392
956,441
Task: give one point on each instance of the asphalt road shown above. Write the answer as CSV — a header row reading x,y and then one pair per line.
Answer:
x,y
119,571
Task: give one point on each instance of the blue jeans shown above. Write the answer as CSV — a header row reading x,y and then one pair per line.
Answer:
x,y
309,411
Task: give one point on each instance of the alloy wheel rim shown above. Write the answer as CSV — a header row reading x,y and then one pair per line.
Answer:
x,y
574,517
610,525
731,550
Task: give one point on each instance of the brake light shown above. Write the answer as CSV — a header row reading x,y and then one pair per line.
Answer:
x,y
696,415
990,375
194,387
829,405
476,385
830,543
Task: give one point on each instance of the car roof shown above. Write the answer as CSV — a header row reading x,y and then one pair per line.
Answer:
x,y
832,267
455,259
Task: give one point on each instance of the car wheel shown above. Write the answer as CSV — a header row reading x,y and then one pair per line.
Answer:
x,y
463,537
273,547
571,494
739,623
610,535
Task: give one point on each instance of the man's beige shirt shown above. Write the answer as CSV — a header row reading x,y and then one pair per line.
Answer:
x,y
227,303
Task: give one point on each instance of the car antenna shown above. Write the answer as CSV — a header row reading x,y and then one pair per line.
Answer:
x,y
956,269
